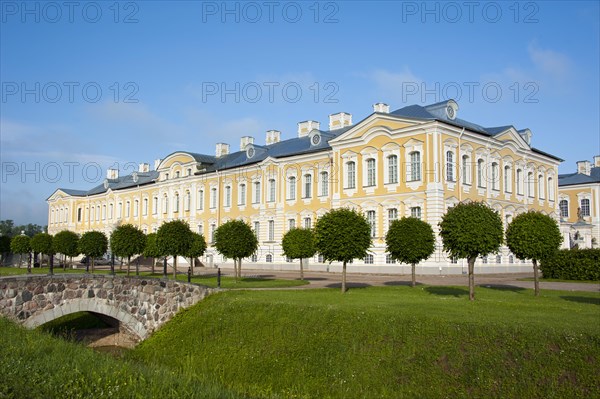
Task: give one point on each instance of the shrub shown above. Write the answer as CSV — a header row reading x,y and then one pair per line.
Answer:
x,y
573,264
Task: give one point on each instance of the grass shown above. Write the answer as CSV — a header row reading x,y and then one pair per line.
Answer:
x,y
209,280
558,280
370,342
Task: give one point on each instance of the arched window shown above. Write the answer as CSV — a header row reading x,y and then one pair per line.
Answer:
x,y
530,190
213,198
227,203
271,230
165,204
541,190
127,209
103,212
449,166
480,172
79,214
110,210
466,170
370,172
200,200
519,182
256,192
371,218
272,189
414,167
176,203
415,212
324,184
495,176
187,201
307,186
269,258
351,174
136,207
145,207
563,205
257,229
392,169
307,223
292,188
585,207
242,195
507,179
550,189
98,212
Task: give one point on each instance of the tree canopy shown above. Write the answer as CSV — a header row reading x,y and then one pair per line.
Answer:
x,y
235,239
197,247
174,238
299,243
410,240
469,230
66,243
533,235
93,244
42,243
9,229
342,235
127,240
20,245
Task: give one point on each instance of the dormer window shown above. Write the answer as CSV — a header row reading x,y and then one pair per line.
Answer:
x,y
177,174
250,152
135,177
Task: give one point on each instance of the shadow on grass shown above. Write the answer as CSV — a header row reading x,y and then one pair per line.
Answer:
x,y
315,278
503,287
582,299
403,283
454,291
348,285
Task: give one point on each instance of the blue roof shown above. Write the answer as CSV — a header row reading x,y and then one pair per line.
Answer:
x,y
571,179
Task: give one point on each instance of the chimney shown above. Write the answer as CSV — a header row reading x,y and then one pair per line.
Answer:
x,y
244,141
584,167
222,149
305,127
382,108
157,163
144,168
339,120
597,161
112,174
273,136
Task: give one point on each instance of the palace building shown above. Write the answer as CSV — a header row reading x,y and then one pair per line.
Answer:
x,y
579,205
415,161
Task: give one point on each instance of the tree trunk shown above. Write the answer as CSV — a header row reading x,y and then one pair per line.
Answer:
x,y
192,264
29,259
301,269
64,262
240,267
414,276
536,278
20,260
137,266
92,261
471,262
153,260
51,264
175,267
344,278
128,263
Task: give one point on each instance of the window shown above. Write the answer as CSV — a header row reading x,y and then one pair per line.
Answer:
x,y
324,184
256,193
465,170
530,190
165,204
242,195
127,209
392,169
585,207
200,228
480,181
291,223
498,259
97,212
320,258
511,259
414,167
110,211
519,182
136,207
119,210
166,176
495,177
176,203
389,260
307,223
213,197
415,212
271,230
368,259
253,258
372,222
200,200
550,189
392,215
453,260
257,230
307,186
145,207
177,174
351,175
187,200
269,258
541,188
272,188
79,214
370,172
507,179
103,212
449,166
291,188
227,196
564,208
484,260
213,229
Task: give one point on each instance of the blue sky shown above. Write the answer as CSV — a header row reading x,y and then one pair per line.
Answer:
x,y
94,85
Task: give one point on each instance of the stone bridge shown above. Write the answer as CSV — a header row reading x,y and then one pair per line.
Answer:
x,y
141,305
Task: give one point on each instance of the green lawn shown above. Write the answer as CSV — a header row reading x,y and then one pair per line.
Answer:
x,y
209,280
395,342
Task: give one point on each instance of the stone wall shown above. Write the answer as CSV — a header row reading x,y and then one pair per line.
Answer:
x,y
142,305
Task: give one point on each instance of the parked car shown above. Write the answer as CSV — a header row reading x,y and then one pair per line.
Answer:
x,y
97,261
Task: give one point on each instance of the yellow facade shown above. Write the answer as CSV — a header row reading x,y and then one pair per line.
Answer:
x,y
388,165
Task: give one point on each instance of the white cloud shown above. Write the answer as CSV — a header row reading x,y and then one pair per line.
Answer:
x,y
552,63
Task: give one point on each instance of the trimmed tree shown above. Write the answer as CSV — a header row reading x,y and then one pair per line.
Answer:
x,y
42,243
21,245
197,248
127,240
174,238
151,250
92,244
533,235
299,243
342,235
410,240
235,239
65,242
469,230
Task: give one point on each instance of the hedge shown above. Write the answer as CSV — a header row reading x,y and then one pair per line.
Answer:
x,y
573,264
